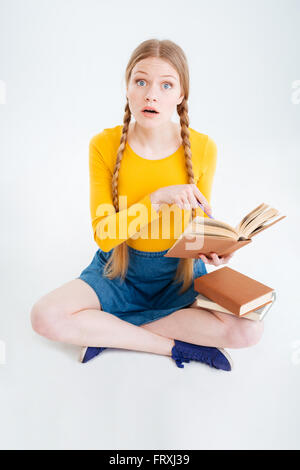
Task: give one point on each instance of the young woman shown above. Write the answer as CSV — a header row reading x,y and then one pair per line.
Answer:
x,y
130,296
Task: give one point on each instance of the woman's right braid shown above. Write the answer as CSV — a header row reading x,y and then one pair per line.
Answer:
x,y
115,178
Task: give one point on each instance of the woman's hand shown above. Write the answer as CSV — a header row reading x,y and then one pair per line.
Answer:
x,y
215,260
186,196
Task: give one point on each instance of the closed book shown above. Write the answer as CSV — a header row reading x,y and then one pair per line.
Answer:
x,y
233,290
256,314
205,235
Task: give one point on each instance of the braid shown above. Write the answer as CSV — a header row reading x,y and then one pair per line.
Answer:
x,y
186,265
118,261
185,135
115,178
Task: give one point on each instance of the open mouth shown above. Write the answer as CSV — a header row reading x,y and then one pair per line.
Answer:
x,y
148,111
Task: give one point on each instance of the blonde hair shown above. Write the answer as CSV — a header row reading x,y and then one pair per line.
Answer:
x,y
117,264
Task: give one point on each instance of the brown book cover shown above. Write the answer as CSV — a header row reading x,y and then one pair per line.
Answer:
x,y
205,235
233,290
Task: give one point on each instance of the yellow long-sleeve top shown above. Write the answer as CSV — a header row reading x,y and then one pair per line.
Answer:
x,y
137,222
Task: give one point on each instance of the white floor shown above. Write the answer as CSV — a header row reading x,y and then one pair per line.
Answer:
x,y
135,400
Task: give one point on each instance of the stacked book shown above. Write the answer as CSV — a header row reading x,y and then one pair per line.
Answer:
x,y
229,291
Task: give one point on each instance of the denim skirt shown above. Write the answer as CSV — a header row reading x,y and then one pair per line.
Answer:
x,y
147,293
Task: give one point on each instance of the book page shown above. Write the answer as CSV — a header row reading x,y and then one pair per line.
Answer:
x,y
214,223
264,227
214,231
257,216
250,217
260,220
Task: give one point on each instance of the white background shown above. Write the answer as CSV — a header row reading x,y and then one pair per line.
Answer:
x,y
63,64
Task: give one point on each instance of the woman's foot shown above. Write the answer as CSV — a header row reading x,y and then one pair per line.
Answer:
x,y
89,352
214,357
181,352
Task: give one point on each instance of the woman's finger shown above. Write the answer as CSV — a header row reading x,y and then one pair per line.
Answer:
x,y
185,202
216,259
199,196
192,199
207,260
194,202
178,201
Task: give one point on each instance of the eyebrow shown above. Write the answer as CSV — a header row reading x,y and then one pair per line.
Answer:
x,y
140,71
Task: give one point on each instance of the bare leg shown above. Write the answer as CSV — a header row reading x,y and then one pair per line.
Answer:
x,y
72,314
207,328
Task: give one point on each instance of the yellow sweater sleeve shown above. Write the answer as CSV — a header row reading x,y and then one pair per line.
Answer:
x,y
207,173
111,228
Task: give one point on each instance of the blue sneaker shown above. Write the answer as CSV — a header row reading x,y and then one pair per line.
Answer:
x,y
89,352
214,357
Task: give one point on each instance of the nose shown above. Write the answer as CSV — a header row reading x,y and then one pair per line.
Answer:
x,y
151,95
150,101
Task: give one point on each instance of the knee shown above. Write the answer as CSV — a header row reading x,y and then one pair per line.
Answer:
x,y
44,320
245,333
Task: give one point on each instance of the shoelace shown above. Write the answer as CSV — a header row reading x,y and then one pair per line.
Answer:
x,y
181,357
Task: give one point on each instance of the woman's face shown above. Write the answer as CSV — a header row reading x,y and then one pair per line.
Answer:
x,y
155,83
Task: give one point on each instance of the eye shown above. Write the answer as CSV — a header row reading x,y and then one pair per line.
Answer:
x,y
139,80
165,83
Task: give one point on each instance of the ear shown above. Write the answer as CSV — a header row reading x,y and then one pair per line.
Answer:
x,y
180,99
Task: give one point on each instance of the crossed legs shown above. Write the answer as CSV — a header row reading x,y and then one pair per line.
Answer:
x,y
72,314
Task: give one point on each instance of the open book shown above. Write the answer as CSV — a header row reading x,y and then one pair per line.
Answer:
x,y
204,235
